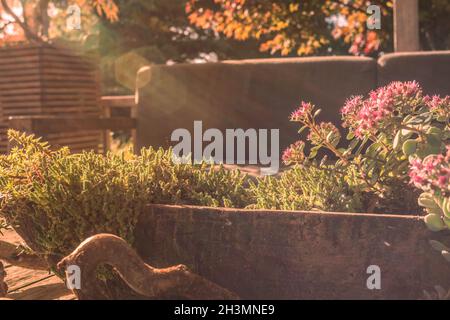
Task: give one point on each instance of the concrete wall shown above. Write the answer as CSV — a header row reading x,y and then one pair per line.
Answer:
x,y
430,69
262,93
295,255
246,94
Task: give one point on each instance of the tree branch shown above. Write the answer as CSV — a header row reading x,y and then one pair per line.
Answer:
x,y
43,18
6,24
26,29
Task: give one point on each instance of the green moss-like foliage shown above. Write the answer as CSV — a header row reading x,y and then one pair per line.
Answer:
x,y
307,188
59,199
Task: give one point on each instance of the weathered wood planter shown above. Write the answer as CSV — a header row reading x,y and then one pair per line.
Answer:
x,y
295,255
260,254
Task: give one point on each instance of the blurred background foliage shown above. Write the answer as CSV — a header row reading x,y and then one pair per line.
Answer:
x,y
128,34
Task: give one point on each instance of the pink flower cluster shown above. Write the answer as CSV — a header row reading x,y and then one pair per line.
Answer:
x,y
294,153
432,173
368,116
352,106
438,104
408,89
302,112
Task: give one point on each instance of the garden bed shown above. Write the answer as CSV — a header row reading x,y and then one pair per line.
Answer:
x,y
262,254
396,160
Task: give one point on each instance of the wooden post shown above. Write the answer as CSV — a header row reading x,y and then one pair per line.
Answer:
x,y
106,133
406,25
124,102
133,114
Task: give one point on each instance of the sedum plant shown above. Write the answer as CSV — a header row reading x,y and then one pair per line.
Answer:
x,y
57,199
392,126
306,188
432,176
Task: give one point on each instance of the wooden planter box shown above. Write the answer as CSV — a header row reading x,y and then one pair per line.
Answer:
x,y
295,255
49,80
262,254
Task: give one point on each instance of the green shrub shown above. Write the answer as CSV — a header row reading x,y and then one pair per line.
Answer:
x,y
61,199
306,188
